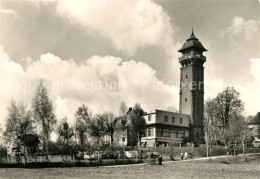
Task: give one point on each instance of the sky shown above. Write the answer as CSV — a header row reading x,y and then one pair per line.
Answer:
x,y
103,52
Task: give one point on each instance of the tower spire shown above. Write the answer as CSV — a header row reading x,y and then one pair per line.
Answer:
x,y
192,36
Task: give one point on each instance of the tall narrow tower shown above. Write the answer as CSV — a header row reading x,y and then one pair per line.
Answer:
x,y
192,84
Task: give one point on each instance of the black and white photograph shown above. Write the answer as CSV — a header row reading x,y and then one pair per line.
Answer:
x,y
129,89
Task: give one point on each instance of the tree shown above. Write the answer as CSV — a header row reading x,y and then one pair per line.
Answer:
x,y
110,125
211,124
122,109
65,134
138,122
30,142
238,132
19,123
172,109
122,120
228,104
83,115
12,124
96,126
43,112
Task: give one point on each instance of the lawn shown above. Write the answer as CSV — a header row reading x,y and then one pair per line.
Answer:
x,y
227,167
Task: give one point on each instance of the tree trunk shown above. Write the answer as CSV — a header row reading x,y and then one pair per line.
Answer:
x,y
25,159
207,149
112,138
139,146
81,139
243,142
47,148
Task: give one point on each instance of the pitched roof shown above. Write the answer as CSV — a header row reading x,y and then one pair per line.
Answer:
x,y
256,119
194,42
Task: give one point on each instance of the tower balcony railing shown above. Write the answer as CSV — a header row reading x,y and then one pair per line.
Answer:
x,y
192,56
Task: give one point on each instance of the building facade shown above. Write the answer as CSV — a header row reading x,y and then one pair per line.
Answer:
x,y
254,125
164,128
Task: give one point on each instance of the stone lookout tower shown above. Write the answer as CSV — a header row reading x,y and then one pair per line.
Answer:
x,y
192,84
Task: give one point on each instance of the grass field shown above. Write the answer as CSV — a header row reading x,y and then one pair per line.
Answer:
x,y
227,167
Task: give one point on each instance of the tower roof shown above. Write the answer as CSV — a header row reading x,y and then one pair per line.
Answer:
x,y
192,42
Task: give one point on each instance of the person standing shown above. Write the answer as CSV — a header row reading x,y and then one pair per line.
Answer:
x,y
160,160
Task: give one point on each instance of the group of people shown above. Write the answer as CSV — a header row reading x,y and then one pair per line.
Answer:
x,y
159,158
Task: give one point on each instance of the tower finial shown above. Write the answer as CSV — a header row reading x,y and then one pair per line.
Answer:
x,y
192,36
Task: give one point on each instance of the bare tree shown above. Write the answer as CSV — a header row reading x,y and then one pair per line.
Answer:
x,y
110,125
172,109
44,113
211,124
12,123
18,124
123,109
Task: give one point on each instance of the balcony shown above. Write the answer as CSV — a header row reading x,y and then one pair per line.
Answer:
x,y
192,57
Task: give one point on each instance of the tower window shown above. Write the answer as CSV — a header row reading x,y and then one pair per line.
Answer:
x,y
186,76
165,118
186,100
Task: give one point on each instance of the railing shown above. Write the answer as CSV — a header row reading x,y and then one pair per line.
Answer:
x,y
192,56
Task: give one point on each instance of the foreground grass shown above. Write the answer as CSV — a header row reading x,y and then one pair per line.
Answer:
x,y
227,167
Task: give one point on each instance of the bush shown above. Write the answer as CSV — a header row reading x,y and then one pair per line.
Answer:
x,y
3,154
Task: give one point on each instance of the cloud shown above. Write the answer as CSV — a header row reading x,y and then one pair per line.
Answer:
x,y
241,29
101,83
249,90
129,25
9,12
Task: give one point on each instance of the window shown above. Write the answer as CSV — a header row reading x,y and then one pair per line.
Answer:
x,y
197,134
149,118
173,119
123,139
185,99
174,133
159,132
180,120
165,118
150,132
186,76
180,133
166,133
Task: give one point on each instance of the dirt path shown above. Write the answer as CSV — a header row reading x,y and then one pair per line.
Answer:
x,y
221,167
